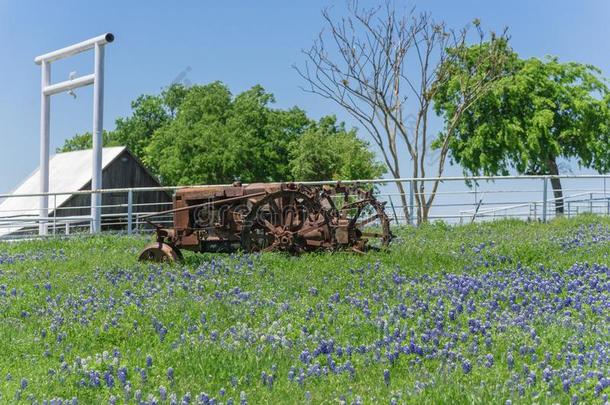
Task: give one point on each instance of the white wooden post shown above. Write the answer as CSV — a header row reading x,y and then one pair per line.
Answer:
x,y
47,90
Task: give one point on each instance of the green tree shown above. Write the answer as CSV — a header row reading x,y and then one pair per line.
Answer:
x,y
84,141
543,110
204,134
150,113
217,138
327,151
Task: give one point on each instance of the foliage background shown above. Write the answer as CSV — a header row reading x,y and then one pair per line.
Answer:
x,y
205,135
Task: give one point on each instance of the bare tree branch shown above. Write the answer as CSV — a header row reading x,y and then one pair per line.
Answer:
x,y
381,64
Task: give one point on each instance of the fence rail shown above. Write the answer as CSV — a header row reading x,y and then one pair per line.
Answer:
x,y
458,200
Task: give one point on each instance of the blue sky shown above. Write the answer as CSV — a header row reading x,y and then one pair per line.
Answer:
x,y
242,43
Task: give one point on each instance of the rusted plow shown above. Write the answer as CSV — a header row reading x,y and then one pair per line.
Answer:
x,y
285,217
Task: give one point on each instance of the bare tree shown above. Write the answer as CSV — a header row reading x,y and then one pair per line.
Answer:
x,y
382,67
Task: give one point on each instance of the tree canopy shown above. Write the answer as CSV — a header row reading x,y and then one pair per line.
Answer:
x,y
327,151
205,135
541,111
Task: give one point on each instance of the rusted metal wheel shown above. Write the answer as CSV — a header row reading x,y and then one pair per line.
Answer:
x,y
360,215
287,220
159,252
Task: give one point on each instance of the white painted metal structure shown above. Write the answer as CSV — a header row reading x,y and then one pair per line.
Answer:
x,y
47,90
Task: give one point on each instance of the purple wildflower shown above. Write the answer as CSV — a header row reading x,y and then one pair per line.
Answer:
x,y
109,379
386,377
122,375
466,366
510,361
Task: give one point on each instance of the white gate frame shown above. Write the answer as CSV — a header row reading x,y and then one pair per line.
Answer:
x,y
47,90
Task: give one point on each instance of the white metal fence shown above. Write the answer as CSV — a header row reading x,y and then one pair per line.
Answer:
x,y
485,198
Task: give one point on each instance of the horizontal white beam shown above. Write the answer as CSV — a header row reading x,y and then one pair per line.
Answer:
x,y
69,85
74,49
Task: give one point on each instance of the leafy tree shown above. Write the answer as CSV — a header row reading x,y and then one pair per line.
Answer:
x,y
204,134
150,112
216,138
543,110
84,141
327,151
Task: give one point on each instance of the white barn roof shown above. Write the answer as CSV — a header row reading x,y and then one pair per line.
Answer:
x,y
69,171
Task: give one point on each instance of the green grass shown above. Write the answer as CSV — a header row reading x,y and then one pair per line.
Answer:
x,y
89,296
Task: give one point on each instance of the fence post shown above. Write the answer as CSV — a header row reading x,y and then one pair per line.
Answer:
x,y
129,212
412,203
591,203
544,198
568,204
54,214
605,197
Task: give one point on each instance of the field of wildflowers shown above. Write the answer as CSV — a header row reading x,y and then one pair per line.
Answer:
x,y
502,313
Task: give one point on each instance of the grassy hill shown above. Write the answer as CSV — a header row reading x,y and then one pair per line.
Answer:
x,y
487,313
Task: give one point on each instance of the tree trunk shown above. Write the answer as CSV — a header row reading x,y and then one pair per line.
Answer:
x,y
403,201
556,184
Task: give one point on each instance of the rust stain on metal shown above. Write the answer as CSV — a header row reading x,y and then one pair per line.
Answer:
x,y
268,217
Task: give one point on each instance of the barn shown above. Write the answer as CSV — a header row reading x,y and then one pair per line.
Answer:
x,y
71,171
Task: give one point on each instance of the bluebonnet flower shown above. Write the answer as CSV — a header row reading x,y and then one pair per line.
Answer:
x,y
109,379
466,366
510,361
94,378
386,377
305,356
547,374
127,390
24,383
149,361
122,375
